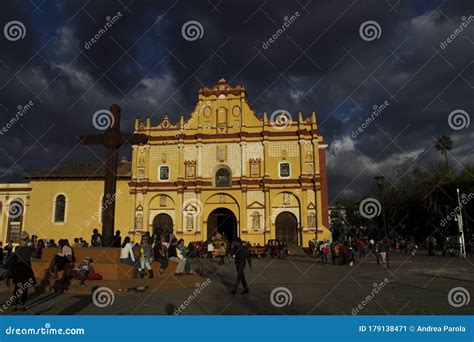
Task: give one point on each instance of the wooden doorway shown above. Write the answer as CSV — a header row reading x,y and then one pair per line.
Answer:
x,y
163,222
286,225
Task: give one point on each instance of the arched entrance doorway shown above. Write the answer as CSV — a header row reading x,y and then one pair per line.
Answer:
x,y
163,222
286,225
222,221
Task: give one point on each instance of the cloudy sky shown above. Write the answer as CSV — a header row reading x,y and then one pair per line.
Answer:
x,y
340,58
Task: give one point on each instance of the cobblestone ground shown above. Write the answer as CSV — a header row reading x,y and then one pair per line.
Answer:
x,y
417,285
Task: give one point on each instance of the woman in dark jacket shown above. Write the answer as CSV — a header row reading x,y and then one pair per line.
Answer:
x,y
21,272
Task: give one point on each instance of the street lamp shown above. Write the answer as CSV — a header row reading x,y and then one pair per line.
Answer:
x,y
380,184
462,240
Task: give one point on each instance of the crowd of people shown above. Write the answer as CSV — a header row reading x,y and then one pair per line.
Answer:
x,y
163,247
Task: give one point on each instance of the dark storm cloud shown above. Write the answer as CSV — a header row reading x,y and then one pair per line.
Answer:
x,y
320,63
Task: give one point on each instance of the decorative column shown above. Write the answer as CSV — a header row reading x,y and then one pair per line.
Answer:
x,y
200,217
243,213
134,161
302,156
304,209
180,160
316,156
265,158
147,158
199,160
268,218
179,212
243,149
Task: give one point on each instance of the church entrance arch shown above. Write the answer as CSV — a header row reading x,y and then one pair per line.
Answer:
x,y
222,221
286,226
164,222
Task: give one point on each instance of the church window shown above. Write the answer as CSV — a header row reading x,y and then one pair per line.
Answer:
x,y
60,209
164,173
256,220
223,178
285,170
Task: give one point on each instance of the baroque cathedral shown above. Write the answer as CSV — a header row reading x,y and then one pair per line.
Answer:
x,y
222,169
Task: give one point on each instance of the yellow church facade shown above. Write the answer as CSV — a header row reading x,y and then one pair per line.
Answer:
x,y
220,170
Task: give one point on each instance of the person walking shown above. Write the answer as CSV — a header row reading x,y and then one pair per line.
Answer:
x,y
242,257
324,253
384,253
19,263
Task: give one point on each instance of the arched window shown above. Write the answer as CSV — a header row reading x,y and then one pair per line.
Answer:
x,y
223,178
60,209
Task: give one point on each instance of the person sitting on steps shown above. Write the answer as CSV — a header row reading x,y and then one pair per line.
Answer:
x,y
146,256
173,257
127,256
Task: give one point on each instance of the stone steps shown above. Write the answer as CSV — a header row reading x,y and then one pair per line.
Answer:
x,y
116,276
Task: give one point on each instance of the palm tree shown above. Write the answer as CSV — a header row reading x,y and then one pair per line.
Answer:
x,y
444,144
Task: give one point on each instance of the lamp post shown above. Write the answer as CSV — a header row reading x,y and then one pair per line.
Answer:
x,y
380,184
461,228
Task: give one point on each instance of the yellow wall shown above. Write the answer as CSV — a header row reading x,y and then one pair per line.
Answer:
x,y
82,207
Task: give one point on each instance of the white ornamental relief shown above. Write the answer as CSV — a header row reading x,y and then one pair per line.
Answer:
x,y
255,151
190,152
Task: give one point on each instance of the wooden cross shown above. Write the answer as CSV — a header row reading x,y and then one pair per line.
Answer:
x,y
112,139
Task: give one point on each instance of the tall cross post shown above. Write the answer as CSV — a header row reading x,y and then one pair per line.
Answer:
x,y
112,139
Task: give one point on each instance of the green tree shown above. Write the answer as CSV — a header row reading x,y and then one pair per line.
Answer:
x,y
444,144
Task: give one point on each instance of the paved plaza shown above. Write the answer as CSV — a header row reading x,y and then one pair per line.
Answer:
x,y
413,286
